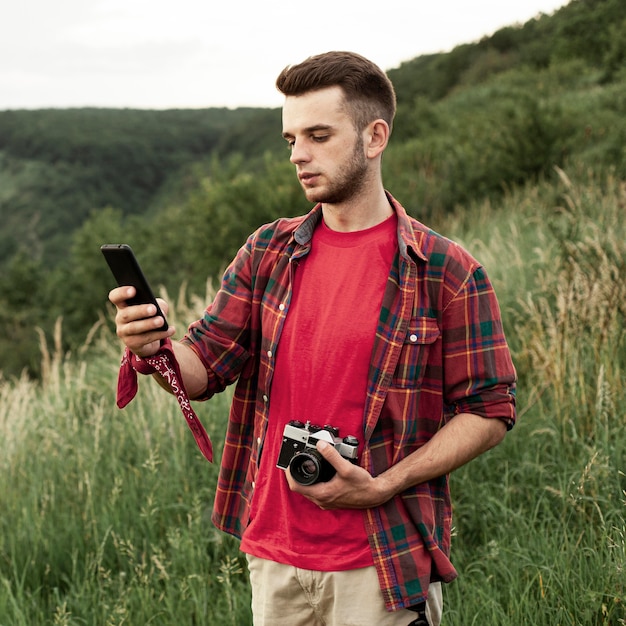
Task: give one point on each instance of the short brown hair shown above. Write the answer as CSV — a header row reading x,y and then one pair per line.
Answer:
x,y
368,91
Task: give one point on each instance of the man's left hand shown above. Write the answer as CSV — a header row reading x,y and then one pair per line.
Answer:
x,y
352,487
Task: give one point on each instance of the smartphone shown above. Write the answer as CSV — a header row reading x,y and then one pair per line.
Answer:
x,y
127,272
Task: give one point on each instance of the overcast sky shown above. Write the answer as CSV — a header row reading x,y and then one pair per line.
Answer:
x,y
206,53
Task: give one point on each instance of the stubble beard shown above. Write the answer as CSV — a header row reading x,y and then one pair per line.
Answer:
x,y
347,184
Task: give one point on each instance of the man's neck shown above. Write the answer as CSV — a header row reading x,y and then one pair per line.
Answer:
x,y
358,213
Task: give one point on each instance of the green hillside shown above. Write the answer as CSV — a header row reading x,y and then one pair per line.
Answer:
x,y
185,187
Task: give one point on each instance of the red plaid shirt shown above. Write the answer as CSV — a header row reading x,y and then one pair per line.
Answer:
x,y
439,351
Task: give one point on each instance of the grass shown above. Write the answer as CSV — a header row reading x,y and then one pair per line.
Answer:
x,y
106,514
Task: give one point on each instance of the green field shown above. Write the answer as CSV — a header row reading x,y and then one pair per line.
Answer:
x,y
106,514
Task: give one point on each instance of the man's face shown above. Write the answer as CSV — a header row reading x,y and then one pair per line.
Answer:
x,y
325,147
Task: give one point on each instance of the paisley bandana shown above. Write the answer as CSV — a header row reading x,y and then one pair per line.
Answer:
x,y
165,364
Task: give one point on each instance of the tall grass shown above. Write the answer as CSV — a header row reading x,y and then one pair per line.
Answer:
x,y
541,530
105,513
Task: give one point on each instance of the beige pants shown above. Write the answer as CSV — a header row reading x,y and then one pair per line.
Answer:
x,y
283,595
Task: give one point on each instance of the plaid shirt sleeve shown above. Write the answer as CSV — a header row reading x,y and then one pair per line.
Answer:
x,y
236,339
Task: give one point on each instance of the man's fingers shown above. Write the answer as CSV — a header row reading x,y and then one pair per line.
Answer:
x,y
120,295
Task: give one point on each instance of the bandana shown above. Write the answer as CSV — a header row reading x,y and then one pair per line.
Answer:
x,y
165,364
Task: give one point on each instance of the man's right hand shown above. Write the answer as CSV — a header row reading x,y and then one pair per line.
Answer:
x,y
137,325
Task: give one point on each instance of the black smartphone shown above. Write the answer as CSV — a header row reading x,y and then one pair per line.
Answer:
x,y
127,271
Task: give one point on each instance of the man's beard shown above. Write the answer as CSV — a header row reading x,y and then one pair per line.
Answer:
x,y
347,183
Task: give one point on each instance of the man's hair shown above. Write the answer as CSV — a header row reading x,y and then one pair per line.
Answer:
x,y
368,92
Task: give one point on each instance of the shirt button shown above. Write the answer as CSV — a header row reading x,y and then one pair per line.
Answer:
x,y
413,338
269,354
258,440
265,398
281,306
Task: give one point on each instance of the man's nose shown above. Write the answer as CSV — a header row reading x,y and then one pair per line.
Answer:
x,y
299,153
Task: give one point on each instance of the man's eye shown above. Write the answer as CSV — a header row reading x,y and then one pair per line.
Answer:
x,y
320,138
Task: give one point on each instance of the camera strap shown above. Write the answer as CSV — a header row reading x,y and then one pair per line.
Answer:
x,y
165,364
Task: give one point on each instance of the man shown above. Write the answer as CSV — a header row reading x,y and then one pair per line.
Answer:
x,y
358,316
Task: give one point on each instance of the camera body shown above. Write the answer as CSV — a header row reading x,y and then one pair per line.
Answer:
x,y
299,454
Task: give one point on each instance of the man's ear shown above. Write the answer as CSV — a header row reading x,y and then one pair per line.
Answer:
x,y
376,138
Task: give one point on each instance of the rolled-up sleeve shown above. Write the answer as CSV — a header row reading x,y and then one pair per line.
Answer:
x,y
479,374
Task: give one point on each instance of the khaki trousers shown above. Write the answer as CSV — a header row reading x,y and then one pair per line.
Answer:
x,y
283,595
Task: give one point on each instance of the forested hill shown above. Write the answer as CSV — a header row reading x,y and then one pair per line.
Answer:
x,y
186,186
59,164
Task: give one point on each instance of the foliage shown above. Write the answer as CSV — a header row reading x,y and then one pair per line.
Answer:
x,y
186,187
479,156
228,203
586,30
19,306
68,162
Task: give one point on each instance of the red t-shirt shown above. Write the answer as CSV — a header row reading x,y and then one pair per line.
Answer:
x,y
329,331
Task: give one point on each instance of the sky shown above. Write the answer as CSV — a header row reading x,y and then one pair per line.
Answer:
x,y
157,54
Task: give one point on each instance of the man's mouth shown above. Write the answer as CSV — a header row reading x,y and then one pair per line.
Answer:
x,y
308,178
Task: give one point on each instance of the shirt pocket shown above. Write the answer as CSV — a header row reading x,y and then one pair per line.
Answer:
x,y
422,333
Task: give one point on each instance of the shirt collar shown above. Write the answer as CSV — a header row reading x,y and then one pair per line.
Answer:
x,y
304,232
407,234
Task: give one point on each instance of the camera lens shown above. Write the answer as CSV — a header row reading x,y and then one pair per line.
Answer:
x,y
310,467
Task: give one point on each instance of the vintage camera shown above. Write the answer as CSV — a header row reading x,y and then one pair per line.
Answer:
x,y
298,452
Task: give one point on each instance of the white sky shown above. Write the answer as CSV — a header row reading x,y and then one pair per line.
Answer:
x,y
205,53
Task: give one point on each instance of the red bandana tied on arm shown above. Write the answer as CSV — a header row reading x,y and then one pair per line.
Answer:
x,y
164,363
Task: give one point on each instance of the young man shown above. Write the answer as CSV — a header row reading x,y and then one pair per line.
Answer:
x,y
358,316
